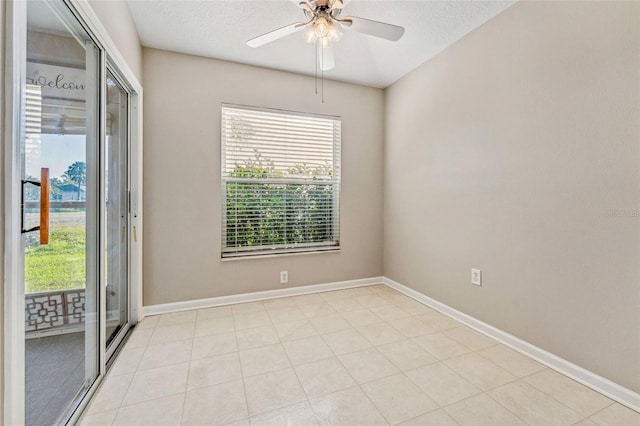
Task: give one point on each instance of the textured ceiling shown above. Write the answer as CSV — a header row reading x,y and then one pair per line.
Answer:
x,y
220,29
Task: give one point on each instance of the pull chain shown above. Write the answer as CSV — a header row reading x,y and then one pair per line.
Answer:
x,y
322,80
322,75
319,59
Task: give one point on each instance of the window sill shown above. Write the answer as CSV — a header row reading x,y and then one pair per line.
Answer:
x,y
268,256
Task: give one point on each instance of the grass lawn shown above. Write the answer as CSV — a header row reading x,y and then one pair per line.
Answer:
x,y
58,265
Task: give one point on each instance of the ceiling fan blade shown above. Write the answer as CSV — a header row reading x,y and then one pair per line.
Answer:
x,y
275,35
325,58
374,28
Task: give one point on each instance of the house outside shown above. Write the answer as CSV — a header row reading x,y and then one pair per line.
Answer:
x,y
70,192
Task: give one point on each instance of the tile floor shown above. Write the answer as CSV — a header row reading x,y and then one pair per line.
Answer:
x,y
363,356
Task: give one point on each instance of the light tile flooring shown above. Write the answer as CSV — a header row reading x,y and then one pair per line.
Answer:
x,y
363,356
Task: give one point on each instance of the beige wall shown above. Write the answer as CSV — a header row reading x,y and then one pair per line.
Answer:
x,y
116,18
507,152
182,218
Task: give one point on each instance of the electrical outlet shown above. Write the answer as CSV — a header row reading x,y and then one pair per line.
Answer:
x,y
476,277
284,277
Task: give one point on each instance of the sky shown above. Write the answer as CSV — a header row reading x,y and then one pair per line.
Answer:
x,y
57,152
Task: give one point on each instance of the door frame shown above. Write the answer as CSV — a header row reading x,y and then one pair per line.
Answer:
x,y
13,346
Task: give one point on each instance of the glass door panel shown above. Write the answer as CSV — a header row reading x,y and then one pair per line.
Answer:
x,y
60,187
116,192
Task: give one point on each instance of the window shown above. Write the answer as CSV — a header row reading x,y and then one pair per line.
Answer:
x,y
281,181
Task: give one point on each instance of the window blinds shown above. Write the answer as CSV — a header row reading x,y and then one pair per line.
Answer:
x,y
281,181
33,109
51,116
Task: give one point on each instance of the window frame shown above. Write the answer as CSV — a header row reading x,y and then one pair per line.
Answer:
x,y
250,252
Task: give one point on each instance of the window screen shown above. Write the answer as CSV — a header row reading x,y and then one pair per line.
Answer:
x,y
281,181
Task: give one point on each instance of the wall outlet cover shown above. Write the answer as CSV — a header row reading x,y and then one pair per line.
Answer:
x,y
476,277
284,277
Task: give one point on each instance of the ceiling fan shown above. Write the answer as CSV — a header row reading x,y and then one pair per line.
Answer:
x,y
324,27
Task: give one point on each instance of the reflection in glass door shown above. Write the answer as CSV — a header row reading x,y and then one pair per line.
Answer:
x,y
60,192
116,208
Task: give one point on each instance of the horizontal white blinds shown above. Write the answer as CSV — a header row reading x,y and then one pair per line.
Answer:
x,y
281,181
33,109
56,116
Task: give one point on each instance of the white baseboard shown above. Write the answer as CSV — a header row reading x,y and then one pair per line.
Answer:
x,y
598,383
260,295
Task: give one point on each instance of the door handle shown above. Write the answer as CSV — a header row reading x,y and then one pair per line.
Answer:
x,y
44,205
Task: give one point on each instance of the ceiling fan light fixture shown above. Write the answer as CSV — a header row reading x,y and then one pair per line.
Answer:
x,y
324,32
310,35
335,32
321,27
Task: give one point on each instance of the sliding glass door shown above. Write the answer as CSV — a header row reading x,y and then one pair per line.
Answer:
x,y
60,187
75,211
117,210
